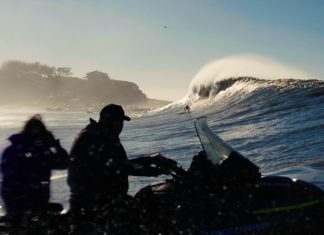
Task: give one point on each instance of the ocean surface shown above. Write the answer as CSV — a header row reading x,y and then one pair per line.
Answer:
x,y
277,124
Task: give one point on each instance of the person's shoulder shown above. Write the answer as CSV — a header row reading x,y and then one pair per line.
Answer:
x,y
88,136
10,152
7,151
15,141
83,135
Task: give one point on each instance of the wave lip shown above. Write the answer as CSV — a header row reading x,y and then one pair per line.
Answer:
x,y
211,90
208,80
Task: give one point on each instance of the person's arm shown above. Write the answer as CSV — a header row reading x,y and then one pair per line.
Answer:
x,y
59,158
13,166
151,165
7,161
80,165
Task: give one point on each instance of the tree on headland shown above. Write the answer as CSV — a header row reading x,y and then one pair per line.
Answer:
x,y
14,69
63,72
97,76
36,83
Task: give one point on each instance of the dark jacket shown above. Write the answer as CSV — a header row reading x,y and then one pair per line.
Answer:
x,y
26,169
99,168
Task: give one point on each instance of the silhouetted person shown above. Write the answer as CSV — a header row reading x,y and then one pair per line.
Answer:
x,y
99,168
26,169
187,108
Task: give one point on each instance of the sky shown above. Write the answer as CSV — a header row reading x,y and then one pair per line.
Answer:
x,y
161,44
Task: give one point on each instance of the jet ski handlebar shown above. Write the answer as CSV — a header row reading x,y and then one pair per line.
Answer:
x,y
170,165
177,171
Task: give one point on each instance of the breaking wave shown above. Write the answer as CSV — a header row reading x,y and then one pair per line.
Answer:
x,y
220,74
235,78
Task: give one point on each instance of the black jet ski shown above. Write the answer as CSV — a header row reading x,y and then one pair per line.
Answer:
x,y
223,193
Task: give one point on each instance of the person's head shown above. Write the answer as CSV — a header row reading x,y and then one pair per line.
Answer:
x,y
112,118
35,128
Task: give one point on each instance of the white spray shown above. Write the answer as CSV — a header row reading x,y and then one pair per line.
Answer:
x,y
246,65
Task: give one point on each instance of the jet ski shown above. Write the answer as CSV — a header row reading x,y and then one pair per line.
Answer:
x,y
223,193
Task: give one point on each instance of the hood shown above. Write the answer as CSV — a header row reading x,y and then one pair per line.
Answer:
x,y
93,125
19,138
95,128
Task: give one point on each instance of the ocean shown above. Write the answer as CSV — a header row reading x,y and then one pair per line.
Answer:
x,y
278,124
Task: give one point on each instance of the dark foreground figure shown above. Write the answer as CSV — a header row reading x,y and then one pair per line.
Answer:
x,y
98,176
221,193
26,169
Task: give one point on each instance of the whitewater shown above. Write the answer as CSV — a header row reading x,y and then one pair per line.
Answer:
x,y
273,114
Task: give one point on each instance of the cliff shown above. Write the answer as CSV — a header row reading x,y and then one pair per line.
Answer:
x,y
35,84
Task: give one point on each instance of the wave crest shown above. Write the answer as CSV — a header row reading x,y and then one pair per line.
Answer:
x,y
205,91
221,74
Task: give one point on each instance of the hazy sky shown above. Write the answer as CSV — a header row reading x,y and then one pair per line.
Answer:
x,y
160,44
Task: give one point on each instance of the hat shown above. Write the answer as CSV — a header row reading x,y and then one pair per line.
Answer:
x,y
113,112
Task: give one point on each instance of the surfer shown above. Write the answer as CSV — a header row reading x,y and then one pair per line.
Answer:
x,y
99,169
26,169
187,108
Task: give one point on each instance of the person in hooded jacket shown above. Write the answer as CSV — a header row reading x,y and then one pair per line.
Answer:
x,y
99,167
26,168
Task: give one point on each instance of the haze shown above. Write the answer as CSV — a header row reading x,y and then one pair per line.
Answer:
x,y
161,45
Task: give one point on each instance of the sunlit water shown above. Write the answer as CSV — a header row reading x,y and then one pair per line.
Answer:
x,y
279,125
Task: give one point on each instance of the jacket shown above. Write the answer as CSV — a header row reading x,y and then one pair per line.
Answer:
x,y
26,169
99,168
